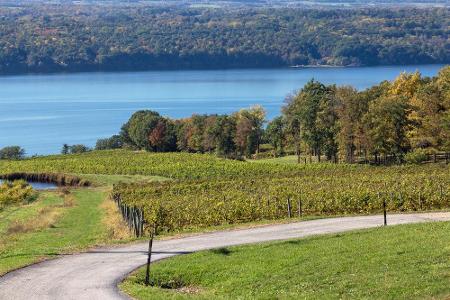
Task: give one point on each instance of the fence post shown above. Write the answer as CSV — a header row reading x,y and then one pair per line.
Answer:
x,y
149,254
141,222
289,206
384,211
300,208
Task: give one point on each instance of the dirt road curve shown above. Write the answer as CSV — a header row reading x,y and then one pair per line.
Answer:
x,y
95,275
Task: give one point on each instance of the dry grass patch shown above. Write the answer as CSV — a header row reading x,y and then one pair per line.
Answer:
x,y
116,226
69,200
46,218
189,290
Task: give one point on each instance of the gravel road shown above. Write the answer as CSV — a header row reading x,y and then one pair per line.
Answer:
x,y
95,274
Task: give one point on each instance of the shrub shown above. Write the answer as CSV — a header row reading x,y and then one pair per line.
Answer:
x,y
16,192
417,156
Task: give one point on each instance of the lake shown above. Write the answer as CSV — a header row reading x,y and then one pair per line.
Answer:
x,y
42,112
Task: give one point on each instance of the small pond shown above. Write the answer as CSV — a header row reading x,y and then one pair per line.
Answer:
x,y
40,185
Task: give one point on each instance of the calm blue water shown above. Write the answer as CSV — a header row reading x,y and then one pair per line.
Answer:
x,y
40,185
41,112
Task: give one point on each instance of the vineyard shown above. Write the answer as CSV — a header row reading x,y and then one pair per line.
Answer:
x,y
207,191
193,204
171,165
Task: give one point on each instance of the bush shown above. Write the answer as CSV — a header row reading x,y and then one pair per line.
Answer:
x,y
417,156
16,192
12,152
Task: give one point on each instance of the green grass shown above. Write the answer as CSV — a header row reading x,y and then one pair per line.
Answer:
x,y
289,159
398,262
73,228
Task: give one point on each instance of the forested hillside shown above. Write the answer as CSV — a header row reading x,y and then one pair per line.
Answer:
x,y
67,37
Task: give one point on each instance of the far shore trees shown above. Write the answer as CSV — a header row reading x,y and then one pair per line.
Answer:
x,y
41,37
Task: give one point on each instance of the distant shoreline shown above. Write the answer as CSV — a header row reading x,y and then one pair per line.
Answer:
x,y
93,71
326,66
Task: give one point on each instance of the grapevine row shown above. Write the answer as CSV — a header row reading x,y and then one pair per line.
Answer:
x,y
190,204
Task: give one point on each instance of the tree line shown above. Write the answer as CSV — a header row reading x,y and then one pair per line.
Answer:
x,y
409,114
389,119
233,136
55,38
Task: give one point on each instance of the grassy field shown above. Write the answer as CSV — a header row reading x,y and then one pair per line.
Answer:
x,y
398,262
52,225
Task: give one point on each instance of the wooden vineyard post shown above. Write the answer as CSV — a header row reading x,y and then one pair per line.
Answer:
x,y
289,207
149,255
384,211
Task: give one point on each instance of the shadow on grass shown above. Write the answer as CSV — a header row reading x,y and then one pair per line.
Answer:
x,y
221,251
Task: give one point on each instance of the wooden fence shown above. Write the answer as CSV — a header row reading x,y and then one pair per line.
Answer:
x,y
133,216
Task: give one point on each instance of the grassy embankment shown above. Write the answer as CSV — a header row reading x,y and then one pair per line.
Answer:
x,y
52,225
58,223
398,262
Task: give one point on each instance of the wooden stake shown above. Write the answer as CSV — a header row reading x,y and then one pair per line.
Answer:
x,y
289,207
149,256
